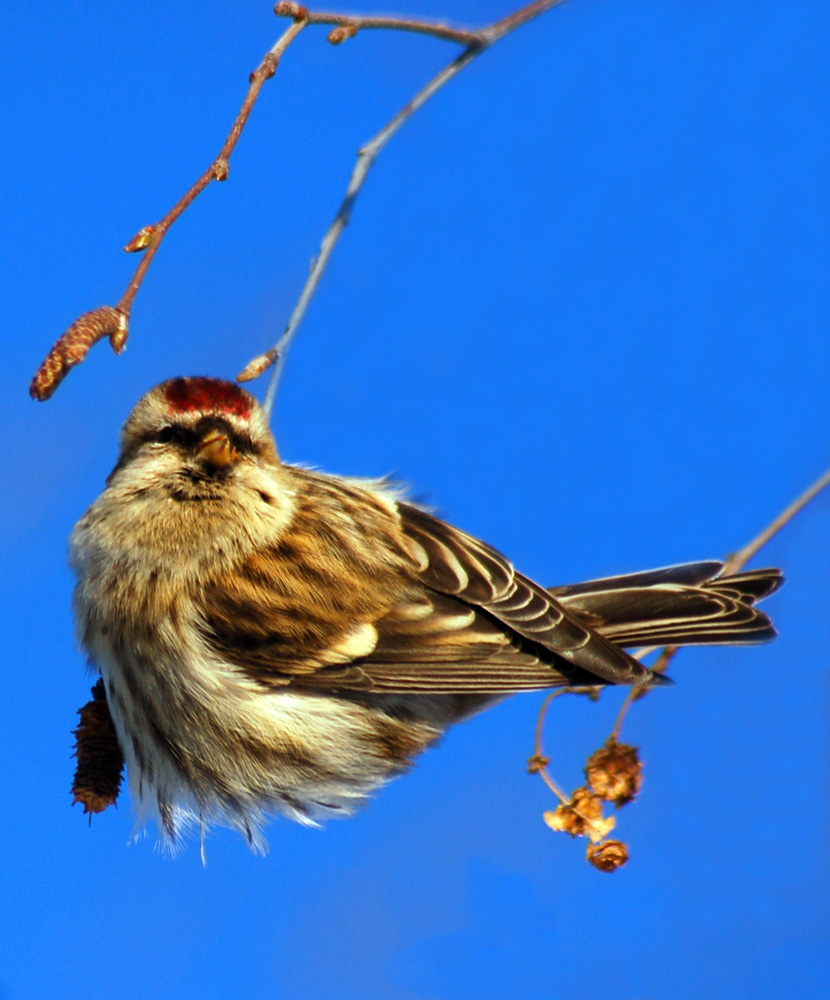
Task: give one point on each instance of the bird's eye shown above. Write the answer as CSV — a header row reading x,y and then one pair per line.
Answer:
x,y
165,435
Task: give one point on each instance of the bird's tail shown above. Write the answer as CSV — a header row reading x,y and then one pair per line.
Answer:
x,y
685,605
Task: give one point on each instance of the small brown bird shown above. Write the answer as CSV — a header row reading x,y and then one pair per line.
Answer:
x,y
276,640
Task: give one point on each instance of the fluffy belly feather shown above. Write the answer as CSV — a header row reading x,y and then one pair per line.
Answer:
x,y
204,745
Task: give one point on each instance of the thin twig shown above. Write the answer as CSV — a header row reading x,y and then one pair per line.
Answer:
x,y
365,160
538,763
357,22
220,167
65,354
482,36
565,799
735,563
538,748
742,556
477,42
516,20
732,564
633,695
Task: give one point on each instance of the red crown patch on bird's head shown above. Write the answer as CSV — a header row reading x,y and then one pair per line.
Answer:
x,y
208,395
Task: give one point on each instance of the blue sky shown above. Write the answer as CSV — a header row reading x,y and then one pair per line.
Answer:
x,y
582,309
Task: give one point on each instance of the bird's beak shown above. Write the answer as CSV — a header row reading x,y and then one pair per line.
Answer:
x,y
215,449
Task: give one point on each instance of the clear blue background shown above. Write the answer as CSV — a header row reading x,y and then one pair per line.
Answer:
x,y
581,308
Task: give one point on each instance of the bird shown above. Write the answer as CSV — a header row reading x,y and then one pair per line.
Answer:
x,y
274,640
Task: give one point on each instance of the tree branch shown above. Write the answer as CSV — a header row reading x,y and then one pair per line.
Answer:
x,y
480,40
733,564
73,346
739,559
538,764
356,22
113,321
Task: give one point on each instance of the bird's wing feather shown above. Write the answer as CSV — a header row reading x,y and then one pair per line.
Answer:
x,y
417,641
453,562
445,614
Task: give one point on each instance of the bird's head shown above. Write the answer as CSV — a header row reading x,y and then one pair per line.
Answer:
x,y
199,430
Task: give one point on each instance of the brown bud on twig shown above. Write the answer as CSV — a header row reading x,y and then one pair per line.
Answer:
x,y
258,365
73,346
615,772
342,33
100,760
537,763
608,856
221,169
142,239
286,9
581,817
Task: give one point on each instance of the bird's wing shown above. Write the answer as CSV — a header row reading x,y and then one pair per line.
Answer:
x,y
455,563
447,614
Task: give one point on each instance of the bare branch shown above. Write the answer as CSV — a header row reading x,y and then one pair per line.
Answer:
x,y
73,346
740,558
218,170
521,17
480,40
357,22
538,763
615,771
365,160
733,564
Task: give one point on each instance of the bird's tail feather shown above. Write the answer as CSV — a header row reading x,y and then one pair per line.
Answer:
x,y
684,605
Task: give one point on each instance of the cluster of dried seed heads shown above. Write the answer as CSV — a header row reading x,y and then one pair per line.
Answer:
x,y
614,774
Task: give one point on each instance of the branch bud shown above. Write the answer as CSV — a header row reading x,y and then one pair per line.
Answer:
x,y
295,10
258,366
142,239
342,33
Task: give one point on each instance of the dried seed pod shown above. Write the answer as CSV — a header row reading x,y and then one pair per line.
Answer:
x,y
100,760
608,856
615,772
581,817
74,345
